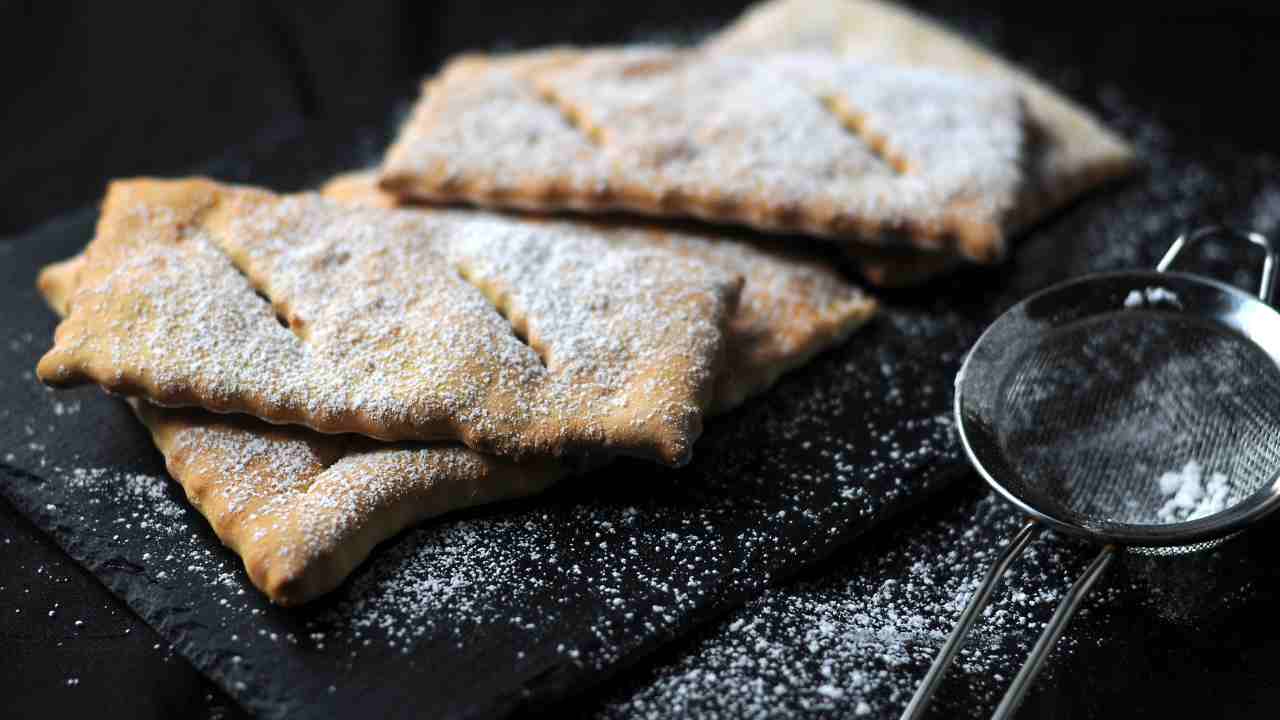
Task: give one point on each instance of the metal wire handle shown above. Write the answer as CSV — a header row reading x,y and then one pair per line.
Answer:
x,y
1265,288
1018,543
981,597
1066,610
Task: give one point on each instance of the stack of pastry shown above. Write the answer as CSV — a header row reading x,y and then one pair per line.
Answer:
x,y
322,370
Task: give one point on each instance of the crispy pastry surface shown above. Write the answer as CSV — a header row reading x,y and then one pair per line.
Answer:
x,y
793,304
1068,152
865,153
512,338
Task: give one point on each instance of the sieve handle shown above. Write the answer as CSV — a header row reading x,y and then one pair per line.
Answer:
x,y
920,701
1066,609
1268,265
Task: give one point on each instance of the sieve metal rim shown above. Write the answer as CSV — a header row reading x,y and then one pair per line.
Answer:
x,y
1258,504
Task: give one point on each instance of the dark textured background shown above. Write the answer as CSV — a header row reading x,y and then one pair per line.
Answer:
x,y
98,90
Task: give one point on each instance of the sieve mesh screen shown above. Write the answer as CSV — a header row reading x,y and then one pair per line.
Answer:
x,y
1140,416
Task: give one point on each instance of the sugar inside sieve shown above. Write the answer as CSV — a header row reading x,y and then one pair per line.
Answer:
x,y
1133,409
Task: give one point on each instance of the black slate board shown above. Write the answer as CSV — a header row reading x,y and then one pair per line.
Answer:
x,y
504,607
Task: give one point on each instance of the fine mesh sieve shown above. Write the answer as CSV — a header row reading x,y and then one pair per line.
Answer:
x,y
1133,409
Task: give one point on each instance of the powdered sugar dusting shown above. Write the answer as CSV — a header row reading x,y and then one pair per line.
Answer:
x,y
1189,494
386,339
1152,297
663,131
793,303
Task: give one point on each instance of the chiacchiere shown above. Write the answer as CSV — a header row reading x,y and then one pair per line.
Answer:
x,y
394,324
303,509
1067,151
858,152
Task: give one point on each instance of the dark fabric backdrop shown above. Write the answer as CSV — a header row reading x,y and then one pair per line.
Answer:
x,y
95,90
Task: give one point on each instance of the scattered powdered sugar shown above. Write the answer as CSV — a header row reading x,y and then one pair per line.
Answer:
x,y
445,582
1152,296
1189,495
857,640
148,491
435,584
61,408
